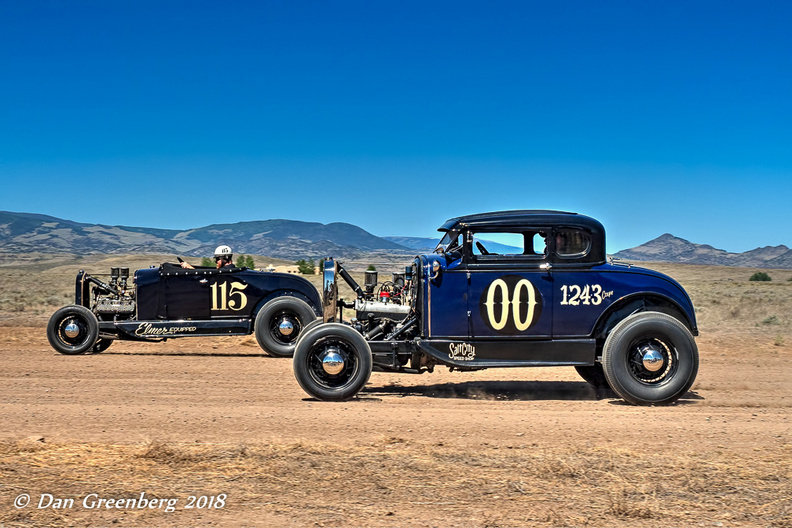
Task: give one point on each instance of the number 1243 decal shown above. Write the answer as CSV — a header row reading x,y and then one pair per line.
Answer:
x,y
575,295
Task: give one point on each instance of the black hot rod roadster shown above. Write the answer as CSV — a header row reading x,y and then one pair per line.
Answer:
x,y
168,301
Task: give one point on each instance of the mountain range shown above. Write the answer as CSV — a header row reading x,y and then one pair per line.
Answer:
x,y
285,239
291,240
669,248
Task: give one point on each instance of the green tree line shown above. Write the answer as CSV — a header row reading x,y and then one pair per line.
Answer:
x,y
306,267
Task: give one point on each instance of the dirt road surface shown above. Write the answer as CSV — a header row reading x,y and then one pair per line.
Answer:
x,y
524,447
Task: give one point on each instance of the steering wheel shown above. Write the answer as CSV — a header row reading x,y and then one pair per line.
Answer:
x,y
481,248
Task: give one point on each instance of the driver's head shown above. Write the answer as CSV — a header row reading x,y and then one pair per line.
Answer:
x,y
223,256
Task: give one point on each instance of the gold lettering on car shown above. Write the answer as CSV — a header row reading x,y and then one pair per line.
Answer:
x,y
228,296
511,306
148,329
498,324
575,295
461,351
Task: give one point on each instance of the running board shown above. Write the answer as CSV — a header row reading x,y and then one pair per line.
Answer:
x,y
179,328
499,354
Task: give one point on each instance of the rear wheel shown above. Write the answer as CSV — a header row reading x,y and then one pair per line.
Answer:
x,y
332,362
73,330
279,323
650,358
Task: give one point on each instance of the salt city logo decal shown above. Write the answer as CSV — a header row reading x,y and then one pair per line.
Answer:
x,y
461,351
510,304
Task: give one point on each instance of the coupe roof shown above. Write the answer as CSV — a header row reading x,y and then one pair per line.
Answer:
x,y
524,218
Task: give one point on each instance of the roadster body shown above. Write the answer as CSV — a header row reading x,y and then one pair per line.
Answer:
x,y
168,301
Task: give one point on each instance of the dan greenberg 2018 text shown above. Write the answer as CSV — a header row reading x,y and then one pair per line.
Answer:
x,y
94,501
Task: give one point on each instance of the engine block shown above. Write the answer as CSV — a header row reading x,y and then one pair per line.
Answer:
x,y
114,305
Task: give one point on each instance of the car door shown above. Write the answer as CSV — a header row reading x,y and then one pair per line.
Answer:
x,y
231,295
510,288
187,295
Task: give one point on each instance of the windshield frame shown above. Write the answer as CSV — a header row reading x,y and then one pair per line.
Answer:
x,y
448,242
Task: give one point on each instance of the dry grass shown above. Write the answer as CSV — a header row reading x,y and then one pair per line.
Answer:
x,y
35,285
731,307
395,482
386,482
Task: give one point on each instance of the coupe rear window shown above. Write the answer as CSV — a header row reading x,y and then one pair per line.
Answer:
x,y
572,243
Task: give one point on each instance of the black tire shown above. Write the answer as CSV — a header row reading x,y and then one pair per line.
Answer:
x,y
312,351
641,336
78,338
268,321
102,345
307,328
594,375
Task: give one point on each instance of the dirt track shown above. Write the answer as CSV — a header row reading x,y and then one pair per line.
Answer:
x,y
220,391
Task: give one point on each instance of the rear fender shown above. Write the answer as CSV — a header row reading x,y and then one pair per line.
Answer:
x,y
287,293
639,302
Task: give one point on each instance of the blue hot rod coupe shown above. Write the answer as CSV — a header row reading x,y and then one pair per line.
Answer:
x,y
544,295
169,301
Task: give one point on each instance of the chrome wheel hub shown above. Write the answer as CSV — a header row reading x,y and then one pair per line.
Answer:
x,y
651,358
71,330
286,327
652,361
333,361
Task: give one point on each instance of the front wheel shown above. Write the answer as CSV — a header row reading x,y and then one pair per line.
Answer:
x,y
332,362
73,330
279,323
650,358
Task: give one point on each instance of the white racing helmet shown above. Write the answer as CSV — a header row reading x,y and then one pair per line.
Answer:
x,y
223,251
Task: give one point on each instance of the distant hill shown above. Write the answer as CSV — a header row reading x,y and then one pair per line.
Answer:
x,y
24,232
286,239
291,240
668,248
416,243
428,244
781,262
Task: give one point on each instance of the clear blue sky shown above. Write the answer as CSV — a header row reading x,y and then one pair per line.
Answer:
x,y
653,117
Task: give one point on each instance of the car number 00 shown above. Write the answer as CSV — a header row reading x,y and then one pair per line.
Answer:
x,y
222,299
521,324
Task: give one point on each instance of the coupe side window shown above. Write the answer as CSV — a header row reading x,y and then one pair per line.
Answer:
x,y
572,243
498,244
525,244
